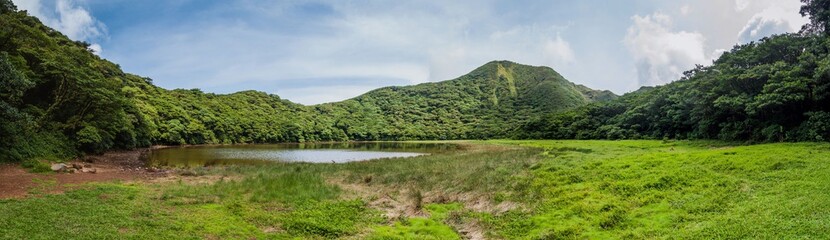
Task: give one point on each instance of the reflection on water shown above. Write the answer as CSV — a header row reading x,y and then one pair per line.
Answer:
x,y
303,152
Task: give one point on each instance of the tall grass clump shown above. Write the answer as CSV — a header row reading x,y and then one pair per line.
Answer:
x,y
496,172
282,183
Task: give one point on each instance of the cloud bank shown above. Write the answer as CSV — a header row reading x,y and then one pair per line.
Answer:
x,y
776,17
661,54
662,51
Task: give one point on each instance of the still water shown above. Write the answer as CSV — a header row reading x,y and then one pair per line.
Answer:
x,y
303,152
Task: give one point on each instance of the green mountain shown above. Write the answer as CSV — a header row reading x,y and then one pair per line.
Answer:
x,y
488,102
59,99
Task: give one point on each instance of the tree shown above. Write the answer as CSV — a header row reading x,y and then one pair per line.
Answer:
x,y
819,12
13,122
14,85
13,82
6,6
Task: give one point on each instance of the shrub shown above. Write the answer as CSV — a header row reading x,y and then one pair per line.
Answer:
x,y
37,166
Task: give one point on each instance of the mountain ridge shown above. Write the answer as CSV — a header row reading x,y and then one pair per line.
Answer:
x,y
590,94
503,91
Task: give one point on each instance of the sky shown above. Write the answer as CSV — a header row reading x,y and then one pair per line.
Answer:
x,y
313,52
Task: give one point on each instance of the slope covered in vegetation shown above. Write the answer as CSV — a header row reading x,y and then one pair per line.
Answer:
x,y
488,102
775,89
60,99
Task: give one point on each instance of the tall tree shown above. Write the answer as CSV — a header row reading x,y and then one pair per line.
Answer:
x,y
7,6
14,85
819,12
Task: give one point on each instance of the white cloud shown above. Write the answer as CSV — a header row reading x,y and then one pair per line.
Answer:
x,y
67,17
323,94
741,5
716,54
31,6
777,17
661,55
96,48
76,22
684,10
518,43
559,51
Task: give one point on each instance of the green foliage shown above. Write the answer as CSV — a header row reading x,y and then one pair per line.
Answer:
x,y
90,139
816,128
57,86
480,170
768,91
489,102
289,184
38,166
7,6
38,146
327,220
456,109
819,13
432,227
14,85
671,189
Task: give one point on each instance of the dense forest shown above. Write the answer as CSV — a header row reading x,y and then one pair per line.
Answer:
x,y
60,100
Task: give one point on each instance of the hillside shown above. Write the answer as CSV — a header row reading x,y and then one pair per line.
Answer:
x,y
488,102
776,89
62,100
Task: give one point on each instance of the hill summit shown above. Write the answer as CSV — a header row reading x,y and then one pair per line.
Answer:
x,y
485,103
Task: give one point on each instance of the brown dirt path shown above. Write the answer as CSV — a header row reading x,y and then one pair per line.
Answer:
x,y
16,182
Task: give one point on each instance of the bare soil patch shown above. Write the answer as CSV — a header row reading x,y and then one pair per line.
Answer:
x,y
396,203
17,182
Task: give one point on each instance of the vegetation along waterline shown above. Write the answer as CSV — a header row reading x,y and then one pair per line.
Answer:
x,y
732,150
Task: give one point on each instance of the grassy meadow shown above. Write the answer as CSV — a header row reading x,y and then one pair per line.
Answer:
x,y
494,189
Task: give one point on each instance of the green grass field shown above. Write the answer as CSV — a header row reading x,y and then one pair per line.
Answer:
x,y
495,189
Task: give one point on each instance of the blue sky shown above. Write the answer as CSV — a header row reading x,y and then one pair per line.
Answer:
x,y
320,51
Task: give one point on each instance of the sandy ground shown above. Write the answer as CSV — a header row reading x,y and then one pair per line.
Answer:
x,y
17,182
